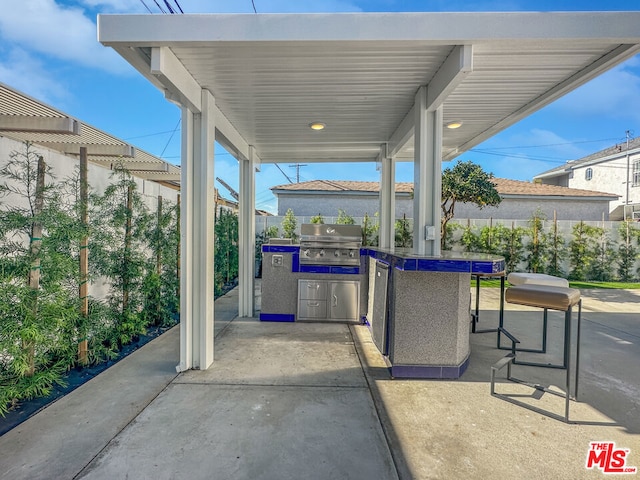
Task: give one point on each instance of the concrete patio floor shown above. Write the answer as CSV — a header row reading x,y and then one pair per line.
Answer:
x,y
315,401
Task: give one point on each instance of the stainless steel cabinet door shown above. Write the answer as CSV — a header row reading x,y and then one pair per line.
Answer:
x,y
344,300
312,310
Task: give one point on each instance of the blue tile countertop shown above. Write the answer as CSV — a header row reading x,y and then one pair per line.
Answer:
x,y
460,262
405,260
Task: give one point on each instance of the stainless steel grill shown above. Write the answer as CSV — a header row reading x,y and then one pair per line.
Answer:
x,y
330,244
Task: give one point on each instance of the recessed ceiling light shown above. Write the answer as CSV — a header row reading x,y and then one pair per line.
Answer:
x,y
455,124
317,126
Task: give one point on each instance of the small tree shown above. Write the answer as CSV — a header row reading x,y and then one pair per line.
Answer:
x,y
627,251
226,250
344,218
404,234
120,253
557,251
466,182
512,246
536,256
581,254
37,313
318,219
289,225
369,231
470,239
604,256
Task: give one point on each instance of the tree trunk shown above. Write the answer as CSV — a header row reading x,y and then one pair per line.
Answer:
x,y
35,245
127,248
83,344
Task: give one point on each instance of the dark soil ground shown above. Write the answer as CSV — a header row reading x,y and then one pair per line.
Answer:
x,y
72,380
77,376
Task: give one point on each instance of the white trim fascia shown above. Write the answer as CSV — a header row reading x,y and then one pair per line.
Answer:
x,y
445,27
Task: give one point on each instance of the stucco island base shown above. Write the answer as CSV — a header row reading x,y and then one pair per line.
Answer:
x,y
429,324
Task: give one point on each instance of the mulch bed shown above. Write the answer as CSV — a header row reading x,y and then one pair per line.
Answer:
x,y
73,379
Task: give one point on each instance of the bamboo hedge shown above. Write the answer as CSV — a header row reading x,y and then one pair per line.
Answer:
x,y
59,236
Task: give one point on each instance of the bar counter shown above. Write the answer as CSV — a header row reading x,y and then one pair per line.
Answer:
x,y
428,309
419,314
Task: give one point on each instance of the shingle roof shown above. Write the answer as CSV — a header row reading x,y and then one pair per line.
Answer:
x,y
503,186
620,148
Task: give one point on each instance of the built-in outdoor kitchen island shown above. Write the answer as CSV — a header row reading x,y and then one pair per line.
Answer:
x,y
418,307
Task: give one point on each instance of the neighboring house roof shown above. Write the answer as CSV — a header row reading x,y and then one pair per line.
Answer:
x,y
324,186
505,187
609,153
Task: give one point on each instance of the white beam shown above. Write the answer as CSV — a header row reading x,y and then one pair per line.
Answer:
x,y
133,165
167,177
455,68
28,123
102,150
231,140
427,177
402,135
175,78
246,223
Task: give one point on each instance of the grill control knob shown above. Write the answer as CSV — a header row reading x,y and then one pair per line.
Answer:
x,y
336,253
352,254
306,252
321,253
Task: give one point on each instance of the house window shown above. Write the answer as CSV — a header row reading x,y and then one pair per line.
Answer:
x,y
588,174
636,173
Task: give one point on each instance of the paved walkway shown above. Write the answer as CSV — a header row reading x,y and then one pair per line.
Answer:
x,y
315,401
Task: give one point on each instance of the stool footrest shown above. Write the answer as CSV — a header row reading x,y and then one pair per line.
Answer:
x,y
500,364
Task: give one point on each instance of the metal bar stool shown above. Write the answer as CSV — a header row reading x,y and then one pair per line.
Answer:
x,y
523,278
475,315
552,298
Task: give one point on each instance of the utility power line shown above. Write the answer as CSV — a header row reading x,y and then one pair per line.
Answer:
x,y
145,6
285,175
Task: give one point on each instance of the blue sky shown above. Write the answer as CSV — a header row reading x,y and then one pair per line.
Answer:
x,y
48,49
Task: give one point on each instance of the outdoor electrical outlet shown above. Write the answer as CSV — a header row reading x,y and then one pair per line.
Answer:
x,y
277,261
430,233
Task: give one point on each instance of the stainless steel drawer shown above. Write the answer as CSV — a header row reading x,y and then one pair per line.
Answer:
x,y
312,309
312,290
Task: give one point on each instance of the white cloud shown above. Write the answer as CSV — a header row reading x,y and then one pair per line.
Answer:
x,y
21,71
121,6
60,32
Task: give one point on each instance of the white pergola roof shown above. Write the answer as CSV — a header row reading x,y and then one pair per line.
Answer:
x,y
384,85
28,120
272,75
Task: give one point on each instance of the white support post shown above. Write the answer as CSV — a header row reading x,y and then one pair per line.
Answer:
x,y
187,308
197,246
387,203
247,234
427,177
